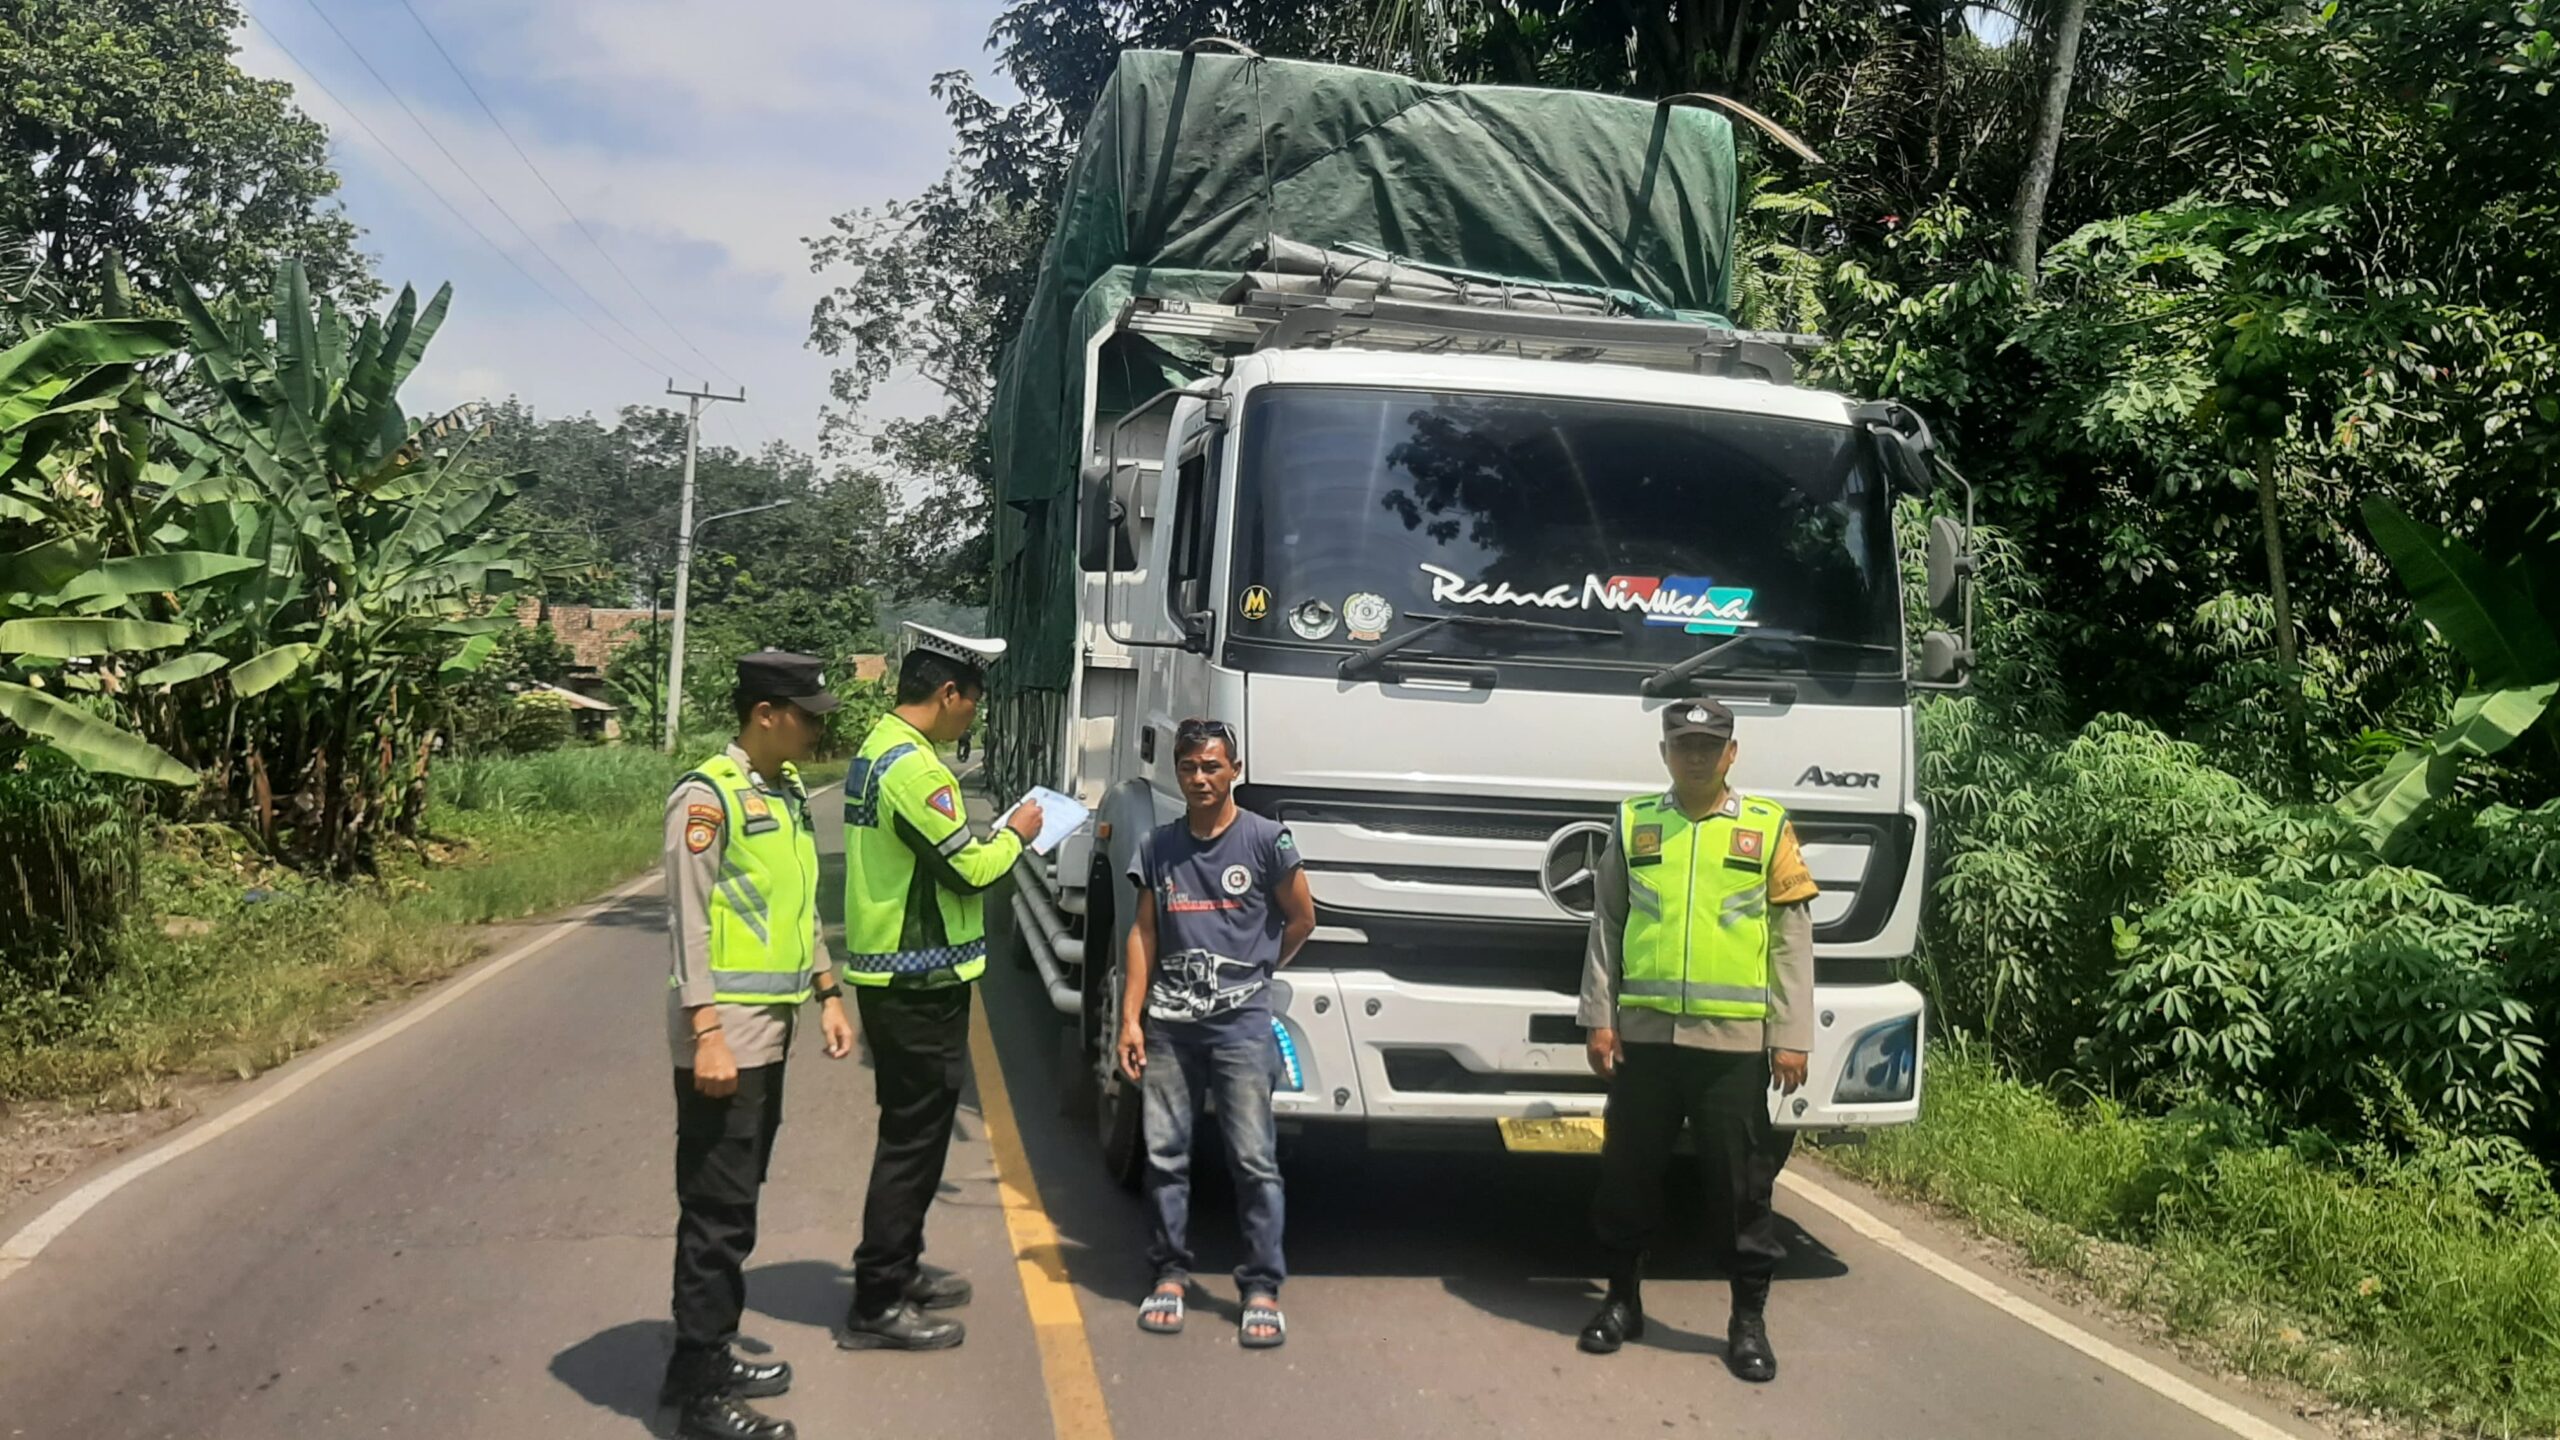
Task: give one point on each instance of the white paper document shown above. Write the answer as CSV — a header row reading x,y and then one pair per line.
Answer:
x,y
1060,817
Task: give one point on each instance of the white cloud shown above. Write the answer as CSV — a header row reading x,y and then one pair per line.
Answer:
x,y
698,144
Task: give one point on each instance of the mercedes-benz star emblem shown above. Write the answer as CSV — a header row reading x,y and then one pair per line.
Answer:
x,y
1573,860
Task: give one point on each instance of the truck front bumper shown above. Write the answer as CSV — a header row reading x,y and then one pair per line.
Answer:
x,y
1363,1045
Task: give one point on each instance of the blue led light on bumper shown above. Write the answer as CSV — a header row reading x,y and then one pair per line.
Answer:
x,y
1883,1064
1291,1077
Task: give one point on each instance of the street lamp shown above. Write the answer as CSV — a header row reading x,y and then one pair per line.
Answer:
x,y
675,637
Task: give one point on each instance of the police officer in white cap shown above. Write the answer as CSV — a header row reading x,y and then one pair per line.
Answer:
x,y
915,938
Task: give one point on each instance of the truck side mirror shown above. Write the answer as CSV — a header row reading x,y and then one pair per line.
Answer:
x,y
1903,445
1944,660
1198,626
1950,565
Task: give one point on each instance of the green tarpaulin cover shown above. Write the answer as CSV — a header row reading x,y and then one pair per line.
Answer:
x,y
1191,164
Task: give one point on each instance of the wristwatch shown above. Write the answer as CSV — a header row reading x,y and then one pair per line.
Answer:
x,y
832,992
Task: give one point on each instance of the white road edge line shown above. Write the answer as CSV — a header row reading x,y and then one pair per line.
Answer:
x,y
2115,1357
21,1249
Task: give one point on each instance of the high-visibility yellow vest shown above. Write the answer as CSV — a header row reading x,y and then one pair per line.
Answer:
x,y
904,914
1697,937
764,909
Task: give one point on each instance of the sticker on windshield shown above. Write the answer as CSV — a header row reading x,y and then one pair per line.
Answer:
x,y
1693,603
1256,604
1313,620
1367,616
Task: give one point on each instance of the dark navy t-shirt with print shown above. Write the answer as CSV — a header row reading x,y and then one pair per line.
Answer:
x,y
1218,922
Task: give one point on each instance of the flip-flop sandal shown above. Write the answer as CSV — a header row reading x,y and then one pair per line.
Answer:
x,y
1262,1313
1151,1309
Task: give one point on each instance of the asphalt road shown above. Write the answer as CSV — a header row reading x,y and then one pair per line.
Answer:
x,y
463,1230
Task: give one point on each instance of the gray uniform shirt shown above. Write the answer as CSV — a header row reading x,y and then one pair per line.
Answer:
x,y
757,1034
1789,1024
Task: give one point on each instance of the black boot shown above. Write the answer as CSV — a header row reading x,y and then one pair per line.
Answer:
x,y
901,1327
935,1288
1746,1346
1619,1320
752,1380
726,1417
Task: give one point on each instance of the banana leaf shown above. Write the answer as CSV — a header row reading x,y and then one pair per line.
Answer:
x,y
192,666
64,638
2479,610
268,669
155,574
89,742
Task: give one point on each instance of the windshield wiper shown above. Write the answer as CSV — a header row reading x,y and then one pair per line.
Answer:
x,y
1670,677
1361,662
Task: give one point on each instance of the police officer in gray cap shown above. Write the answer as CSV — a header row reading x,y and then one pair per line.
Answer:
x,y
1697,997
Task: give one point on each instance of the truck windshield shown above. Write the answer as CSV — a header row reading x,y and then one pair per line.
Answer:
x,y
1364,513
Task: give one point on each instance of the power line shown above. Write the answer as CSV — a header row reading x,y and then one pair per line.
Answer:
x,y
455,161
592,241
429,186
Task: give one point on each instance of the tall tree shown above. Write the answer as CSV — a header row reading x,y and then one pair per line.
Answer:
x,y
2026,218
127,128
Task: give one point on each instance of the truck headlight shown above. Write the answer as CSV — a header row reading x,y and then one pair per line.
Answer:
x,y
1884,1062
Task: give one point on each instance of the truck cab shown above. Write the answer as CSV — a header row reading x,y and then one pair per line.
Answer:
x,y
1443,570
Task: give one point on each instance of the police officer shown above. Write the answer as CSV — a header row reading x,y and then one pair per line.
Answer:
x,y
1697,995
742,892
915,937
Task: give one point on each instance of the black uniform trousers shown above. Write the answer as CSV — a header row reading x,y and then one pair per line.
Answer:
x,y
724,1145
919,1041
1723,1097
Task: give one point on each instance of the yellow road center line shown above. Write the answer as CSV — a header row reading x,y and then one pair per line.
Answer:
x,y
1076,1407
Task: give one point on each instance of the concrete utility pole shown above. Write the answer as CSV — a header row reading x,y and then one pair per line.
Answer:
x,y
684,549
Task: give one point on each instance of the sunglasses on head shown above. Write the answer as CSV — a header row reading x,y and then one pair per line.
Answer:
x,y
1201,728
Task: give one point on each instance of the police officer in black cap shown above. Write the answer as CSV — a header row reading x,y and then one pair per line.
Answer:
x,y
1697,997
742,911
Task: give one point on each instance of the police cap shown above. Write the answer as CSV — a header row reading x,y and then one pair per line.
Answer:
x,y
1697,717
781,675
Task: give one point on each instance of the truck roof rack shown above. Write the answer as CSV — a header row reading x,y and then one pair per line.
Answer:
x,y
1273,320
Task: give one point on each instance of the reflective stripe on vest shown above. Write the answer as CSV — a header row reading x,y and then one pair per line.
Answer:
x,y
1697,936
897,920
763,906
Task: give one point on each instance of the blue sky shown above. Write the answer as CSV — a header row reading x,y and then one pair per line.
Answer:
x,y
699,142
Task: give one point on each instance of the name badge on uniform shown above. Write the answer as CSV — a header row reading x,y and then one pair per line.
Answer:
x,y
758,813
1644,847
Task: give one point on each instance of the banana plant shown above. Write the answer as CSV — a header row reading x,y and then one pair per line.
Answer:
x,y
371,564
2504,620
75,596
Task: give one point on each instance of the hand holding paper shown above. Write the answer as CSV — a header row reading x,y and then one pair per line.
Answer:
x,y
1060,816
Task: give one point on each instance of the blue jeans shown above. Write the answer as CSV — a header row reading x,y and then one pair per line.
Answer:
x,y
1243,1070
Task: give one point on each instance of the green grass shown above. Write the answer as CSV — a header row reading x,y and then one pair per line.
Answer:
x,y
2426,1283
229,966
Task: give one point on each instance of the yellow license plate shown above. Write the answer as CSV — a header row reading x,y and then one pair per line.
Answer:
x,y
1562,1135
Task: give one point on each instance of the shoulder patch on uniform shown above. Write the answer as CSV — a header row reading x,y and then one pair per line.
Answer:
x,y
698,832
708,814
946,801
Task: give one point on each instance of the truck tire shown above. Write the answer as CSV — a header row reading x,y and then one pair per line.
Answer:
x,y
1114,1101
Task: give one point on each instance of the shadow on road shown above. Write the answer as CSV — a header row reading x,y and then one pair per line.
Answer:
x,y
618,1369
801,1292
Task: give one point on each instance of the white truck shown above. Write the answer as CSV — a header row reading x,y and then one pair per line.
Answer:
x,y
1442,562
